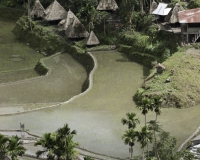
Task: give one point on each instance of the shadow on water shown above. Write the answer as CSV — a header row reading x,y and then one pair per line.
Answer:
x,y
124,58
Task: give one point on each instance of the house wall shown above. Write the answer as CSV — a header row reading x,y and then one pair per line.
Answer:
x,y
191,29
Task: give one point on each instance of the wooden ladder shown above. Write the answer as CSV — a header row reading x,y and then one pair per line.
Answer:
x,y
196,36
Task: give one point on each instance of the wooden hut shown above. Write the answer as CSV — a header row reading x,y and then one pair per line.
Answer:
x,y
92,40
190,24
37,10
73,27
107,5
55,12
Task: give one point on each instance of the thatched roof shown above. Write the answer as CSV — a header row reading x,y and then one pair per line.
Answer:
x,y
73,27
55,12
92,40
37,10
154,5
174,16
107,5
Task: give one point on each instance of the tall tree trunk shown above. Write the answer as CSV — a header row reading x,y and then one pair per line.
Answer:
x,y
141,5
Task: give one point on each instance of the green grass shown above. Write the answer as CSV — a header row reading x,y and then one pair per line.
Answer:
x,y
184,88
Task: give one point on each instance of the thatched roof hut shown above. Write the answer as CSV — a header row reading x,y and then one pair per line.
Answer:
x,y
107,5
73,27
174,14
37,10
92,40
154,5
55,12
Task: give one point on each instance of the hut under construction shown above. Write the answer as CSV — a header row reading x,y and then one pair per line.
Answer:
x,y
92,40
73,27
37,10
107,5
55,12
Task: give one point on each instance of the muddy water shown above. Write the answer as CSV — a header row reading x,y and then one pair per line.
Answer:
x,y
96,116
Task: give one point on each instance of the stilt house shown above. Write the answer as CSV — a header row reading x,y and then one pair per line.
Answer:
x,y
73,27
55,12
92,40
37,10
190,24
107,5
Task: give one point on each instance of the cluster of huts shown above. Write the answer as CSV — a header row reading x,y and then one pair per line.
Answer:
x,y
68,21
178,20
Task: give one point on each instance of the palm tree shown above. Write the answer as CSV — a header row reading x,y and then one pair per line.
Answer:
x,y
131,121
15,148
47,141
129,138
3,146
144,137
156,105
58,144
153,126
145,106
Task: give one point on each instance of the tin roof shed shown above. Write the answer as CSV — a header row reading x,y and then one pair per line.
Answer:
x,y
162,10
189,16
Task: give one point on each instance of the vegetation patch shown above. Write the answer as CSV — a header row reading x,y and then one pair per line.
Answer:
x,y
41,38
182,69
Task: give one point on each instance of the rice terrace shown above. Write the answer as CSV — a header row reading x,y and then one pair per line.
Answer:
x,y
91,100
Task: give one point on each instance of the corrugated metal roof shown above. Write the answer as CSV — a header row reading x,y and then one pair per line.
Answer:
x,y
162,10
189,16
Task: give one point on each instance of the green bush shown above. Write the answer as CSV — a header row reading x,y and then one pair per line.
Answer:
x,y
40,68
194,4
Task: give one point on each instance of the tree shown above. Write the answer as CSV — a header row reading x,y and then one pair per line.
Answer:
x,y
166,146
156,105
58,144
145,105
131,121
15,147
153,126
184,154
144,137
3,145
129,138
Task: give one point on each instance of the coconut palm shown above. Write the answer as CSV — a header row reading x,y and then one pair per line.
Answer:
x,y
155,127
129,138
3,145
15,147
131,121
144,137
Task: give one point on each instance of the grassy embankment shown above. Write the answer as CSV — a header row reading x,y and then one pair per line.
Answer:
x,y
184,88
17,60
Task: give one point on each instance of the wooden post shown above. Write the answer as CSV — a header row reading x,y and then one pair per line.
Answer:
x,y
187,34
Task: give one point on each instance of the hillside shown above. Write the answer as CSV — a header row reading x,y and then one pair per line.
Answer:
x,y
183,89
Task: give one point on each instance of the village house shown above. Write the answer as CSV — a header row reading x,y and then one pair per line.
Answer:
x,y
190,24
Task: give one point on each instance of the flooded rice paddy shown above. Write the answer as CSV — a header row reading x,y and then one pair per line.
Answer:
x,y
96,115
